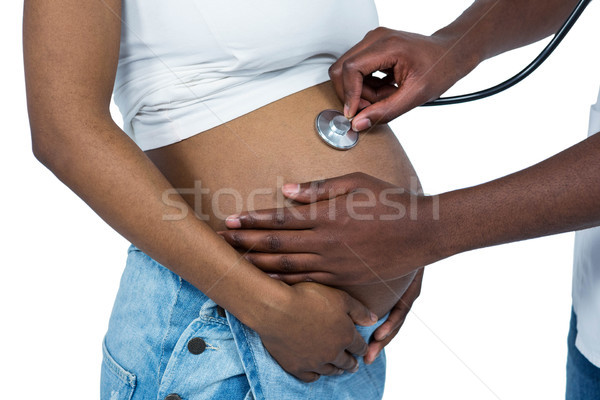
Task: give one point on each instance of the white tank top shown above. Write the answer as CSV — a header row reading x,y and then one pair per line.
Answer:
x,y
186,66
586,277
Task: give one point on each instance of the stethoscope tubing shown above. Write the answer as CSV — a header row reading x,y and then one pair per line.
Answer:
x,y
539,60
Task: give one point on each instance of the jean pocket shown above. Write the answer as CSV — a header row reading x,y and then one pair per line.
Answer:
x,y
115,382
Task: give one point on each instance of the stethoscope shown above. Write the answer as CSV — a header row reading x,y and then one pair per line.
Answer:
x,y
334,128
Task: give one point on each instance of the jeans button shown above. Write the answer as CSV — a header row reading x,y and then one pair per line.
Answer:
x,y
195,346
173,396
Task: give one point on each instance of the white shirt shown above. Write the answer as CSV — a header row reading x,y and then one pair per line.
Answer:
x,y
586,277
188,66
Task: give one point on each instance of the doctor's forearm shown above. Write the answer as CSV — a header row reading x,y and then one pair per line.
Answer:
x,y
557,195
491,27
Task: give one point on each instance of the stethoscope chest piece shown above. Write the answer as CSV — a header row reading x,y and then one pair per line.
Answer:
x,y
335,130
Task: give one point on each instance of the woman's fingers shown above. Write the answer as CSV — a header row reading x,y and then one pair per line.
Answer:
x,y
330,369
346,362
358,345
308,377
359,313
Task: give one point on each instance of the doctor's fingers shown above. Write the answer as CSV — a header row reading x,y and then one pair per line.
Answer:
x,y
394,103
375,89
305,241
376,346
353,74
337,70
286,263
293,268
297,217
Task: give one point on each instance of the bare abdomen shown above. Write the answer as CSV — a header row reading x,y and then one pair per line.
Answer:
x,y
242,164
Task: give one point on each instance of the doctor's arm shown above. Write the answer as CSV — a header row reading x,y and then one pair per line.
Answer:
x,y
557,195
410,230
421,68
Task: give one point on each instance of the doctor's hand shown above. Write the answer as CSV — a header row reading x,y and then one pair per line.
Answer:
x,y
352,230
384,334
419,69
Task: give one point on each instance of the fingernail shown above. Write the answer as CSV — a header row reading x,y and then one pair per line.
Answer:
x,y
233,222
291,188
347,111
361,124
355,369
367,361
374,317
274,276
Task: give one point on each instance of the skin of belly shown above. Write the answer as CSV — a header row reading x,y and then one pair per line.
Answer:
x,y
242,164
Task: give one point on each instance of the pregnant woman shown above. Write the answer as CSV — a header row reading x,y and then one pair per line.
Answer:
x,y
218,101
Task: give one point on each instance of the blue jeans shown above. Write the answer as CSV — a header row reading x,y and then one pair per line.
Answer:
x,y
583,377
166,337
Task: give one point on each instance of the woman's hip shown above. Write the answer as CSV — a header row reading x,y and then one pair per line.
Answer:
x,y
166,337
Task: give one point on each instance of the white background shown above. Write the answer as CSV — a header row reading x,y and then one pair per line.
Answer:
x,y
490,324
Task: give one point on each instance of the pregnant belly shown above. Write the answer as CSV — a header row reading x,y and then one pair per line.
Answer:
x,y
242,164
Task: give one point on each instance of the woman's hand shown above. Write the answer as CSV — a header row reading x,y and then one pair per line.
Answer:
x,y
312,333
419,68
